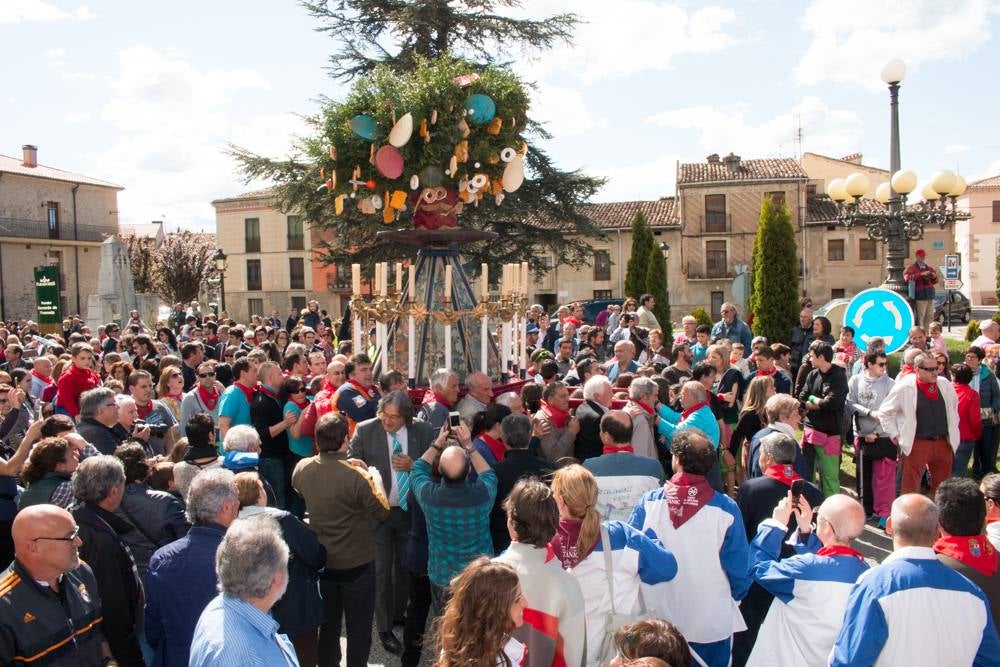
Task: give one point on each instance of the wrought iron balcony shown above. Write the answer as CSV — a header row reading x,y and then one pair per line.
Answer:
x,y
63,231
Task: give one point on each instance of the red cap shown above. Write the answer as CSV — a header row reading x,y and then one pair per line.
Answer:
x,y
922,253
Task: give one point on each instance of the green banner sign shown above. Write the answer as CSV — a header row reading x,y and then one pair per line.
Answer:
x,y
47,294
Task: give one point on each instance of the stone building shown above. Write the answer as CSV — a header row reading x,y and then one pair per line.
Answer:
x,y
49,216
978,240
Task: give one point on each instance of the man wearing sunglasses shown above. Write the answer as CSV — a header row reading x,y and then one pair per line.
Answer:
x,y
203,397
49,606
921,415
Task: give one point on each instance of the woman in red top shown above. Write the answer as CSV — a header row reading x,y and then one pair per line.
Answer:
x,y
80,377
970,422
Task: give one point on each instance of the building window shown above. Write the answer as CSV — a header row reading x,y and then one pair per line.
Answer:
x,y
255,307
715,213
777,197
996,211
602,265
296,233
253,275
835,250
602,294
52,217
296,273
343,274
299,303
837,294
867,249
811,190
717,298
716,262
251,227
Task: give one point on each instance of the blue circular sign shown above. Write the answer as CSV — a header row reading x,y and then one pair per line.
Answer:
x,y
883,313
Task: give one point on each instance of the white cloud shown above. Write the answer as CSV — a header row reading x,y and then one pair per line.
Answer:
x,y
563,111
55,53
824,130
76,117
852,39
638,181
622,38
25,11
173,121
957,148
79,76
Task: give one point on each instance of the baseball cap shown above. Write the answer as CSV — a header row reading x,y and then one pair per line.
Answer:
x,y
921,253
531,329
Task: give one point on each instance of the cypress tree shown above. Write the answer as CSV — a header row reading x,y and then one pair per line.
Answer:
x,y
774,293
656,284
638,261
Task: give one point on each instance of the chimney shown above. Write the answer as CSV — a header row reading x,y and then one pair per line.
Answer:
x,y
732,161
713,158
30,156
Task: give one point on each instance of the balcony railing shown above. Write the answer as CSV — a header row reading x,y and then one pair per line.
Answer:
x,y
701,272
64,231
716,222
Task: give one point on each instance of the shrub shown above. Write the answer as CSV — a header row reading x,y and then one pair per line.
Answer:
x,y
702,316
972,331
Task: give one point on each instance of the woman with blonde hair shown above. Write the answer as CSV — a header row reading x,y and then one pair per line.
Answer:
x,y
594,551
752,419
170,389
477,625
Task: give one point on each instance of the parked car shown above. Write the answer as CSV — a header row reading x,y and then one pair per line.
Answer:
x,y
954,303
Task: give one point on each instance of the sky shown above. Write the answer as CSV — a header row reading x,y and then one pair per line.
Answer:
x,y
149,95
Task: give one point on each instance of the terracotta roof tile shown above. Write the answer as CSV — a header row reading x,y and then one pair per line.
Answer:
x,y
12,165
990,183
620,214
263,193
766,169
822,209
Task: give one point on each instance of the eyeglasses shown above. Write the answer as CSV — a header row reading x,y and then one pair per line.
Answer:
x,y
61,539
300,391
820,517
881,364
206,375
929,369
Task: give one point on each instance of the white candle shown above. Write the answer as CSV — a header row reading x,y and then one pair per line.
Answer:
x,y
412,287
524,278
399,278
524,347
355,279
486,283
447,287
484,345
411,365
377,278
385,279
447,345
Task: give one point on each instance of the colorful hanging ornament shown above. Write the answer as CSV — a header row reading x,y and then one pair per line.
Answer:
x,y
364,126
481,108
513,175
401,131
495,126
389,162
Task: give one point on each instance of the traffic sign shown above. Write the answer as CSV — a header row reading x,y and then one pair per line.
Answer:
x,y
952,283
952,267
883,313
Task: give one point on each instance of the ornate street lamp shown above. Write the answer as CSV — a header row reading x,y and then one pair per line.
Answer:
x,y
220,265
897,224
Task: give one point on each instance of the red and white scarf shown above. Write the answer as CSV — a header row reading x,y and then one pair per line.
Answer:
x,y
972,550
783,472
685,495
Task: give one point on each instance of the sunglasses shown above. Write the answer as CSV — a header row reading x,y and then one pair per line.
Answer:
x,y
61,539
206,375
881,364
929,369
300,391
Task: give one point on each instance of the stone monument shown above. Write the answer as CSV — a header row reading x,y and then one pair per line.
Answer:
x,y
116,294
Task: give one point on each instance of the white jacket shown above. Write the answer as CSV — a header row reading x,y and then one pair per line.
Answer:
x,y
899,412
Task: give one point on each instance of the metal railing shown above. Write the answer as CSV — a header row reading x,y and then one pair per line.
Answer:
x,y
701,272
63,231
716,222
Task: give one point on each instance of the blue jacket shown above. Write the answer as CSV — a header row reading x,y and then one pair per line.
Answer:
x,y
737,332
180,584
702,419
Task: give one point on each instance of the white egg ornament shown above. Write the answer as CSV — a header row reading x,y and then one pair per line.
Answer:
x,y
401,131
513,175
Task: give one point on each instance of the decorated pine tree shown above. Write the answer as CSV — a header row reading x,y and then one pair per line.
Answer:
x,y
638,260
774,293
427,59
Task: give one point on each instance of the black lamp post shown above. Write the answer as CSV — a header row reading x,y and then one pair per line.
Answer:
x,y
896,224
220,266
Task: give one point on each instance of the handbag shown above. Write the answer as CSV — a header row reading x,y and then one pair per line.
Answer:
x,y
614,620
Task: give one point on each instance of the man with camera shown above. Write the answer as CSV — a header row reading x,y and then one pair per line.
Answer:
x,y
152,413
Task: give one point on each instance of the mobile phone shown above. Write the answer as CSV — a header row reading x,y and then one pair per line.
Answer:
x,y
454,420
798,486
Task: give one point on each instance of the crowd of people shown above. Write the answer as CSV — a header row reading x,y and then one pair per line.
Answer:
x,y
206,492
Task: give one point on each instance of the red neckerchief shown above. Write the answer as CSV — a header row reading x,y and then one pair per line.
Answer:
x,y
929,389
989,521
434,397
301,405
685,495
248,392
496,447
41,377
267,391
905,369
208,398
361,389
693,409
618,449
972,550
563,544
648,410
840,550
783,472
761,373
144,412
556,416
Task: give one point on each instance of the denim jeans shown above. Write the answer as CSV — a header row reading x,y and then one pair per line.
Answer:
x,y
962,455
273,470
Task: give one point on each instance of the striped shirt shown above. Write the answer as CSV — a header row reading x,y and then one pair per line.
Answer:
x,y
233,633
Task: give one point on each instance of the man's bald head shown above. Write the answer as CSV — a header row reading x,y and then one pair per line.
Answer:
x,y
454,464
913,521
616,428
845,515
36,532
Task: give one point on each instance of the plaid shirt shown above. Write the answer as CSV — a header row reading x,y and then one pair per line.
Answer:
x,y
458,520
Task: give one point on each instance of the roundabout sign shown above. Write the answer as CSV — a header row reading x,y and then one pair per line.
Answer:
x,y
880,313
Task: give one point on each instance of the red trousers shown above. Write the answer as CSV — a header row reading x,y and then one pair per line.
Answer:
x,y
935,455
